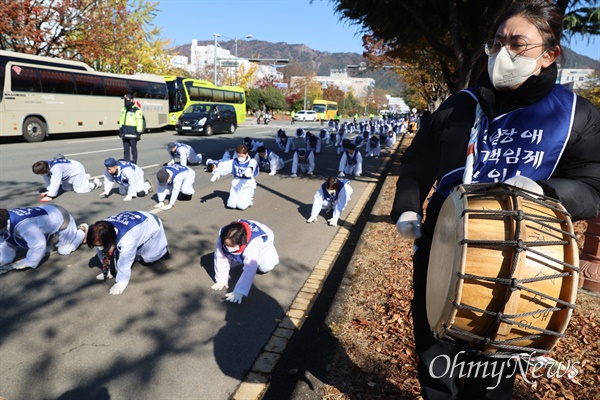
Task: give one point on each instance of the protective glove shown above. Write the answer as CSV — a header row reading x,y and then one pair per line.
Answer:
x,y
21,264
100,277
272,173
172,162
117,288
167,207
160,205
524,182
357,175
332,222
215,177
310,174
128,198
409,225
103,195
248,173
46,199
293,175
234,297
341,174
220,286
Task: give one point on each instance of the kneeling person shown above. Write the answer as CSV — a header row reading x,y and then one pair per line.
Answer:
x,y
60,173
247,244
124,238
333,195
128,175
36,229
176,180
268,161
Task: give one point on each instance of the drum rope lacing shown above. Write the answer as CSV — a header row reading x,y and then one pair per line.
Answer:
x,y
512,283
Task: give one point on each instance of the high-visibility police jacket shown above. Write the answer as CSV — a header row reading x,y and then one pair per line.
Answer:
x,y
131,122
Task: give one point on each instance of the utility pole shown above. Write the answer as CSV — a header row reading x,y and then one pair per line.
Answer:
x,y
216,36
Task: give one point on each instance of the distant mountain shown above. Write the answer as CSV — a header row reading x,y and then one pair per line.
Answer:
x,y
303,58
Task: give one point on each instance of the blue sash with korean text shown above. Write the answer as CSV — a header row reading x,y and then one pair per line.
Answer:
x,y
255,233
17,216
528,141
124,221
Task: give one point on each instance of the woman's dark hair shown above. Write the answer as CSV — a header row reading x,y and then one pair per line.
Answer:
x,y
101,232
543,14
332,183
241,149
41,168
235,232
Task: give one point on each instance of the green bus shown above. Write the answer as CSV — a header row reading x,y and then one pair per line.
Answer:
x,y
186,91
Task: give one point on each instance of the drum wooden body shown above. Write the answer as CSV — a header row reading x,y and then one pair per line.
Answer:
x,y
503,270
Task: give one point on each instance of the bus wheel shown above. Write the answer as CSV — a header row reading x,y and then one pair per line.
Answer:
x,y
34,130
231,128
208,130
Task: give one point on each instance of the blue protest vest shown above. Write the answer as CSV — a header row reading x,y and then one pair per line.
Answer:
x,y
124,221
351,159
17,216
119,178
528,141
333,198
176,169
238,168
263,163
255,233
177,147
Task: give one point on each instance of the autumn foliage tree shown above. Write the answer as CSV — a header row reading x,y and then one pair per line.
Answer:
x,y
451,33
111,35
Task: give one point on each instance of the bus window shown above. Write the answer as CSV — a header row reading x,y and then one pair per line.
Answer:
x,y
115,87
158,91
24,79
205,94
139,90
218,95
319,108
90,85
57,81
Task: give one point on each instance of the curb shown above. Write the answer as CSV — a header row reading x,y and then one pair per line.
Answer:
x,y
256,382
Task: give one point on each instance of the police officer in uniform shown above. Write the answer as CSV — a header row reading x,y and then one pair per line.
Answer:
x,y
131,127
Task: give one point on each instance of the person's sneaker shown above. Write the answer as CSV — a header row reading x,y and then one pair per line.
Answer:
x,y
84,228
97,183
151,186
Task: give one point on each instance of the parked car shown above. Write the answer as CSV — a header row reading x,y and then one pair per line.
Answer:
x,y
306,115
207,118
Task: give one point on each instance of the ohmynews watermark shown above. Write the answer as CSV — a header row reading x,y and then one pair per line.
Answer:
x,y
529,366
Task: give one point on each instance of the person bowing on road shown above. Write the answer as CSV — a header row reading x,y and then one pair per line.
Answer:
x,y
333,196
177,181
244,170
268,161
129,176
247,244
60,173
185,153
38,230
124,238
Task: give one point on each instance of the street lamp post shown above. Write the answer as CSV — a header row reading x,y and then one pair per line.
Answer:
x,y
237,67
216,36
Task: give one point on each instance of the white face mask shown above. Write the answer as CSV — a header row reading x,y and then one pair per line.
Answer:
x,y
233,249
100,248
242,159
506,70
331,192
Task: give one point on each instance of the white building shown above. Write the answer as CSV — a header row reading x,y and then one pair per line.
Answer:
x,y
574,78
397,104
361,87
202,57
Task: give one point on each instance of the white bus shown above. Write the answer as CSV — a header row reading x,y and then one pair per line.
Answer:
x,y
41,96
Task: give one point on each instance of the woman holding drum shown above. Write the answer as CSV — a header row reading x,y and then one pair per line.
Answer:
x,y
519,127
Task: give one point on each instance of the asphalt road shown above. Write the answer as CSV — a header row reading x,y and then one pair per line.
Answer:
x,y
168,336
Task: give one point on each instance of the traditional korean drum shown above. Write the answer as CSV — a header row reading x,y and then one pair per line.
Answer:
x,y
503,270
